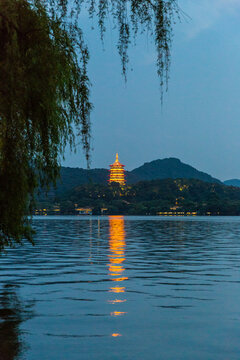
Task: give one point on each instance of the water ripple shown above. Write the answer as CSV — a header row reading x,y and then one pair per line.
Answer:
x,y
109,287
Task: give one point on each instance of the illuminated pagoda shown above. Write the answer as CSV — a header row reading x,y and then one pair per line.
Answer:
x,y
117,172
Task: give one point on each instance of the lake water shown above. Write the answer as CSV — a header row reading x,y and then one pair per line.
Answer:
x,y
123,288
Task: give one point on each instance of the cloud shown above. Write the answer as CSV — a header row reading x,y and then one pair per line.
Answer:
x,y
205,13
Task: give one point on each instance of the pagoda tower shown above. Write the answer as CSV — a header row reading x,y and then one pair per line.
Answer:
x,y
117,172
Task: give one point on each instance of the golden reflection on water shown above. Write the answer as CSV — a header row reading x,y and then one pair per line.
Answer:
x,y
116,257
117,289
116,301
117,246
117,313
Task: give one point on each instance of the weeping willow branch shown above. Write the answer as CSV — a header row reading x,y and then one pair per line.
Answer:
x,y
43,71
156,17
45,88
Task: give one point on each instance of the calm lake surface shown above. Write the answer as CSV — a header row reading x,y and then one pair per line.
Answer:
x,y
123,288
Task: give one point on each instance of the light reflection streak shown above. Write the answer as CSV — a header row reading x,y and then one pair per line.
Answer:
x,y
90,241
117,313
117,289
116,301
117,246
116,257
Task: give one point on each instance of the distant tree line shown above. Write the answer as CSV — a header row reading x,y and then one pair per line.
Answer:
x,y
150,197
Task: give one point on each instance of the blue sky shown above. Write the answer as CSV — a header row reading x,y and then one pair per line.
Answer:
x,y
199,121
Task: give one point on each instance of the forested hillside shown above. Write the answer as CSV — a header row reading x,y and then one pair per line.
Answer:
x,y
149,197
158,169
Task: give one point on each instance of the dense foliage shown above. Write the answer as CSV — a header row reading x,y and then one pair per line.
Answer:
x,y
44,92
149,198
45,88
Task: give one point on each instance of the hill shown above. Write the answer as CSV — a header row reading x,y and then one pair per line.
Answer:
x,y
72,177
171,168
232,182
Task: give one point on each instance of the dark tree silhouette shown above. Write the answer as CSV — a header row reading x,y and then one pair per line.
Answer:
x,y
44,88
13,312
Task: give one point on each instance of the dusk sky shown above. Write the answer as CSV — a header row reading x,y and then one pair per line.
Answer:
x,y
199,122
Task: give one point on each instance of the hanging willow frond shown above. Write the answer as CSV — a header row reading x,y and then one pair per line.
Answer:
x,y
156,17
45,89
